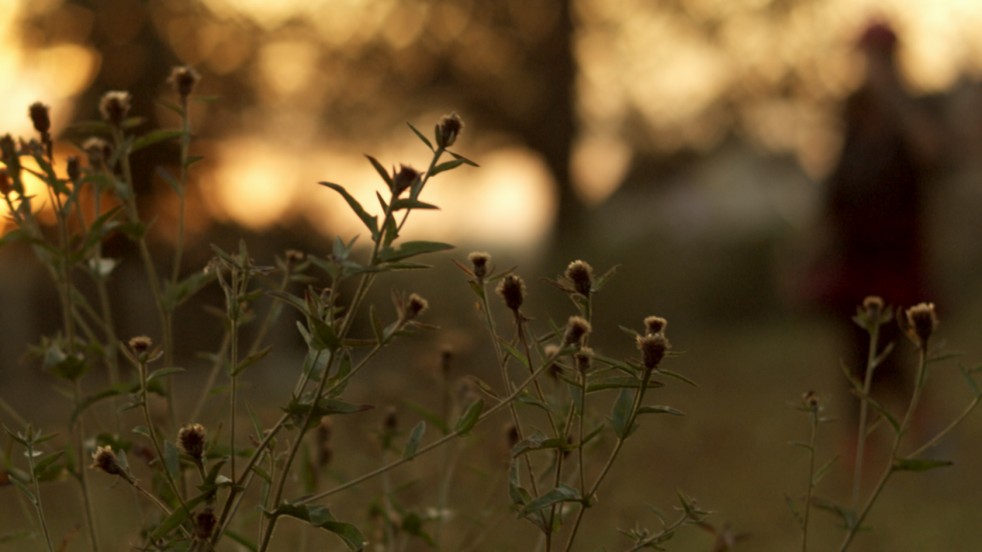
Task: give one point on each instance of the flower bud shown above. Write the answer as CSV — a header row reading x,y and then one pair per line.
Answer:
x,y
655,324
479,263
115,105
512,290
403,179
580,273
653,348
576,329
183,79
40,117
448,129
191,438
920,322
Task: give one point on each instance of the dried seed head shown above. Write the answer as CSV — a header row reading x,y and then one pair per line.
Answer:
x,y
551,351
512,290
105,459
584,359
811,402
576,329
655,324
191,438
204,524
448,129
480,262
653,348
294,256
921,321
98,150
5,184
40,117
873,303
115,105
403,179
183,79
140,344
415,306
580,273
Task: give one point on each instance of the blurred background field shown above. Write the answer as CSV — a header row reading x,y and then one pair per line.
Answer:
x,y
687,141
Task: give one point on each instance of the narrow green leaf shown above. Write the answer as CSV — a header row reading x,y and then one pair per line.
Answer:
x,y
172,460
660,409
163,372
410,203
620,416
85,403
446,166
370,222
154,137
380,170
919,464
470,417
321,517
414,439
412,249
251,359
421,136
464,159
562,493
177,517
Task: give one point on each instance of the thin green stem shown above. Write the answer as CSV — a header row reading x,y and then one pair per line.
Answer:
x,y
811,479
36,499
888,471
588,497
435,444
83,478
874,335
152,431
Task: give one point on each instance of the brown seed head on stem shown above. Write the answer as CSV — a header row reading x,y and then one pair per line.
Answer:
x,y
480,262
40,117
580,273
919,324
653,348
183,79
655,324
577,328
115,106
448,129
512,290
191,438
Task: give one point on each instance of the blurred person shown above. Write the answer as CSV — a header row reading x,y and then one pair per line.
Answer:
x,y
873,204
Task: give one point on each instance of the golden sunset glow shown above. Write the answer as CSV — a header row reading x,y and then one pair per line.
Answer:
x,y
650,78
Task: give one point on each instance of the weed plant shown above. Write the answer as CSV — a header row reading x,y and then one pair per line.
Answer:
x,y
220,482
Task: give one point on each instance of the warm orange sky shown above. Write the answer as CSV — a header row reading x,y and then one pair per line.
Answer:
x,y
634,60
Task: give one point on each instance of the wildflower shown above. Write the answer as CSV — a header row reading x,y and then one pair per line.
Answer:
x,y
512,290
919,323
448,129
415,305
105,459
576,329
653,348
479,263
403,179
40,117
140,344
580,273
584,359
98,150
115,105
811,402
183,79
191,438
554,370
655,324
